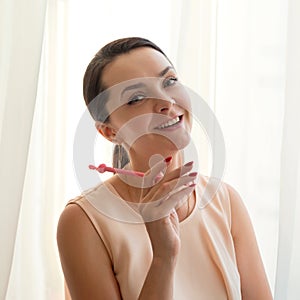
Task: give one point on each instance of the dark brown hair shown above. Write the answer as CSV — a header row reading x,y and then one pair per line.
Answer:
x,y
92,83
93,86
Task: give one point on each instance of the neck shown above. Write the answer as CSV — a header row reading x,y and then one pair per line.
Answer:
x,y
143,163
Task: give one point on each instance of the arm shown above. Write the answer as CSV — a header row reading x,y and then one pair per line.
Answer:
x,y
164,232
254,283
87,266
85,261
164,236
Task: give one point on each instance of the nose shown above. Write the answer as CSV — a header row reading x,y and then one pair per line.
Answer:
x,y
163,105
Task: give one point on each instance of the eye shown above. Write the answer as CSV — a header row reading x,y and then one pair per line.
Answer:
x,y
136,98
170,81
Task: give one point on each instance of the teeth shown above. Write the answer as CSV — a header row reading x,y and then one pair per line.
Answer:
x,y
169,123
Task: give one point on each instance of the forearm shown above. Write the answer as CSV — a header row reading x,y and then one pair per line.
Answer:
x,y
159,281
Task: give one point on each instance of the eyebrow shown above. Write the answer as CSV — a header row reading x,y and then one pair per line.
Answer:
x,y
133,87
140,84
165,71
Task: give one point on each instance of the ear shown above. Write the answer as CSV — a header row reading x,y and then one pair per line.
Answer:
x,y
106,130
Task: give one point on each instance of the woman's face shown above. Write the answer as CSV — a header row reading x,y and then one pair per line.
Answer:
x,y
148,107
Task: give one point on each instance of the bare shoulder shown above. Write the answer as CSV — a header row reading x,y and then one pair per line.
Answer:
x,y
85,262
75,234
235,197
69,215
254,282
242,227
238,209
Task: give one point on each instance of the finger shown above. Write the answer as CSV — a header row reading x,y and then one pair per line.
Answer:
x,y
178,172
152,211
157,171
174,174
176,199
166,188
148,180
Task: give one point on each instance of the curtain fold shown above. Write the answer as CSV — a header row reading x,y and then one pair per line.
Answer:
x,y
250,82
226,52
21,37
195,62
36,271
288,261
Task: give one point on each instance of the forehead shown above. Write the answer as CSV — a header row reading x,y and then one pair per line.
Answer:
x,y
140,62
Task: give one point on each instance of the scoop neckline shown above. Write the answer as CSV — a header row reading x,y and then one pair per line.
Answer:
x,y
189,217
181,222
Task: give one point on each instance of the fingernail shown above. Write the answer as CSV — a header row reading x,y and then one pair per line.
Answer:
x,y
168,159
192,185
158,177
193,174
188,164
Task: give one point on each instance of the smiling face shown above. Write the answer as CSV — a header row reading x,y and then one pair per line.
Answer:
x,y
148,107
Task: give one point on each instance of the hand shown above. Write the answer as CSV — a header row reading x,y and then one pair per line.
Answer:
x,y
165,192
164,237
158,207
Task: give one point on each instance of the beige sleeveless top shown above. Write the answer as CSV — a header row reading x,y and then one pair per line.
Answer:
x,y
206,268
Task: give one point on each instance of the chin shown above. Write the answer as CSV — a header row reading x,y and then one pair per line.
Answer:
x,y
183,142
176,143
163,143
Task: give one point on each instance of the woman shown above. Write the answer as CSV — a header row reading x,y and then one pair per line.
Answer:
x,y
179,251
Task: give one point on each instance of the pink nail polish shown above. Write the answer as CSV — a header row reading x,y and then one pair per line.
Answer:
x,y
193,174
188,164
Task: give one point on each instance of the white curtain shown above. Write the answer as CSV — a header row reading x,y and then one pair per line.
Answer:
x,y
250,83
288,267
242,57
36,262
21,36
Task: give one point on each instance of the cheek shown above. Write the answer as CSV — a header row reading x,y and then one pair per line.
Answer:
x,y
181,97
189,120
122,119
133,128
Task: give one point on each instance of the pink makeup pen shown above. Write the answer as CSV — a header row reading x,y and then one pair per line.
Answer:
x,y
103,168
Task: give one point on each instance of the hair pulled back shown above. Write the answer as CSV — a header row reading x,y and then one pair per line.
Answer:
x,y
93,85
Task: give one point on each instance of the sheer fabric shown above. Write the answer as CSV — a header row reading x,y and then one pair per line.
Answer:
x,y
242,57
21,37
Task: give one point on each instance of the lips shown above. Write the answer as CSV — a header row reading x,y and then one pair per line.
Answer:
x,y
170,123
